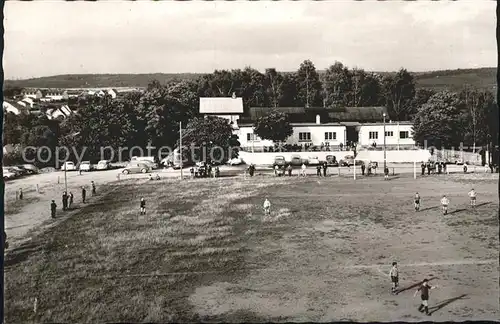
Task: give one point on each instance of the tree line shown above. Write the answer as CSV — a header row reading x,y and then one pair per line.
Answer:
x,y
151,118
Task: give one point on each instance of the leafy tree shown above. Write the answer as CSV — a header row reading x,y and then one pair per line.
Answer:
x,y
100,126
477,105
366,89
12,128
252,88
212,138
421,97
289,91
337,83
221,83
399,91
436,122
309,90
12,91
273,82
274,126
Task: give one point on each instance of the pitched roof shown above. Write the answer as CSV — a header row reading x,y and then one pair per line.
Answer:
x,y
358,114
342,114
221,105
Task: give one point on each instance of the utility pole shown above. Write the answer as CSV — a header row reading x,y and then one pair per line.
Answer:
x,y
180,145
385,156
65,178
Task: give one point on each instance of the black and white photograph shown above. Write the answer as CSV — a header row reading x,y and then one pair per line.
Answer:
x,y
250,161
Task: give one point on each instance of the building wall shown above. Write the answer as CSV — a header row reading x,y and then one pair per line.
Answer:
x,y
243,132
317,136
392,138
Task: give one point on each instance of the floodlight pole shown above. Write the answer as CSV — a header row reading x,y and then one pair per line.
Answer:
x,y
354,168
385,154
65,179
180,145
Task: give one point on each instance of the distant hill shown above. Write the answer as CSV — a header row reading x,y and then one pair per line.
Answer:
x,y
484,78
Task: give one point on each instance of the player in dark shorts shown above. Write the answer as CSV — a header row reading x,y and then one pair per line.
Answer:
x,y
472,196
417,202
143,206
394,274
424,295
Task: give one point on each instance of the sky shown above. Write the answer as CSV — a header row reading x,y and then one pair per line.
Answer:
x,y
44,38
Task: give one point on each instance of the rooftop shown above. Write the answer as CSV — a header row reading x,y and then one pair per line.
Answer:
x,y
231,105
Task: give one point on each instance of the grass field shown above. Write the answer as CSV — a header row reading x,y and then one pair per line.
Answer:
x,y
205,251
483,78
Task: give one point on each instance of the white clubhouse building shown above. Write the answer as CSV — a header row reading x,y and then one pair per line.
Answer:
x,y
315,126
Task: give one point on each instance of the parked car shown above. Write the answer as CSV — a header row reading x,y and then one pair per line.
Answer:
x,y
296,160
279,161
313,160
331,160
137,167
85,166
348,160
103,165
147,159
235,161
68,166
19,170
16,172
152,165
8,175
30,168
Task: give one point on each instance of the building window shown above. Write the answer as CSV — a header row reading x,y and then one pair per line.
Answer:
x,y
373,135
304,136
389,133
252,137
404,134
330,136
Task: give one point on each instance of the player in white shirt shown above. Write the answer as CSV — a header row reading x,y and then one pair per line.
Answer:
x,y
304,170
417,202
267,207
444,203
472,196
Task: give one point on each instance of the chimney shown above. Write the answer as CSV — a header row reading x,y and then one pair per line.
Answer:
x,y
318,119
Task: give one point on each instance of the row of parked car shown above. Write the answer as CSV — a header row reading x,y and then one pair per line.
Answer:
x,y
331,160
86,166
18,171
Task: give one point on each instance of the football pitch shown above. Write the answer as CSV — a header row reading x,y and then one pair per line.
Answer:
x,y
205,251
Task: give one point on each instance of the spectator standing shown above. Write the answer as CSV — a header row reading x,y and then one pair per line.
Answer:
x,y
53,207
70,199
84,194
65,200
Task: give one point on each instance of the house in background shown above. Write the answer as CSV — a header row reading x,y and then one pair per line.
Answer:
x,y
26,102
59,113
67,94
14,108
113,93
54,95
230,108
33,93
